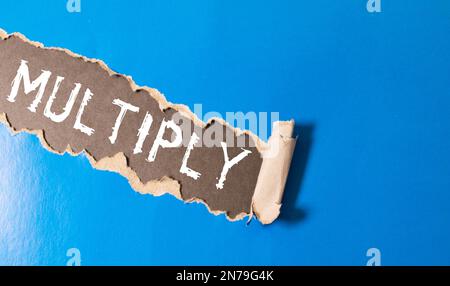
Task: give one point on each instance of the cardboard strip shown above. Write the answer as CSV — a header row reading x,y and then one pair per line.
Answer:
x,y
78,105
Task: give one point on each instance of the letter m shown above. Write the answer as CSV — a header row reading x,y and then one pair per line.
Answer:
x,y
24,74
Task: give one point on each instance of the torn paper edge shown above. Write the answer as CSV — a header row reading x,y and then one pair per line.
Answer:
x,y
266,202
276,153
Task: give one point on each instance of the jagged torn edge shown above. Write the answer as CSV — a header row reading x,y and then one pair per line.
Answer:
x,y
276,153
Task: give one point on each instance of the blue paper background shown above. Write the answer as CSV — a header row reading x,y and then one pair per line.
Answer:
x,y
370,92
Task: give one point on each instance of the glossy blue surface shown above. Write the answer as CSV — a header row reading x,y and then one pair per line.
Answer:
x,y
370,92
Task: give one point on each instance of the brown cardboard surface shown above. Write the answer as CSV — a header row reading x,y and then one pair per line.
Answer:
x,y
252,186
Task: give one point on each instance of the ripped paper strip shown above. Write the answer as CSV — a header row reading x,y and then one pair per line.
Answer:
x,y
75,105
